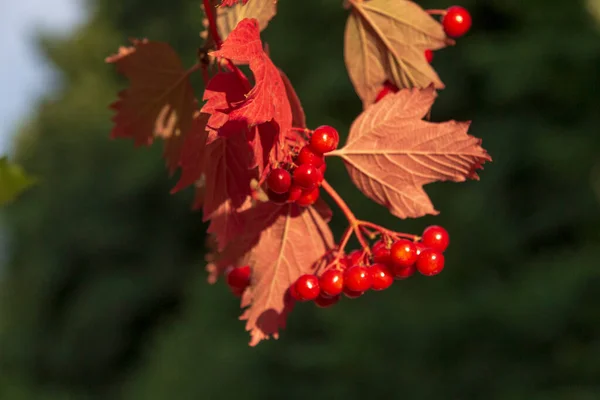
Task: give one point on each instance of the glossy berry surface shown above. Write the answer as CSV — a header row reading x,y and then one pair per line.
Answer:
x,y
326,301
332,282
358,278
388,88
402,272
309,197
429,55
351,294
238,278
403,253
430,262
279,180
294,194
382,276
307,287
435,237
381,254
354,257
306,176
324,139
308,156
457,21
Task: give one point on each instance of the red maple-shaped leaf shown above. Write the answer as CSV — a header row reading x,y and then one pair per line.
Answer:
x,y
267,100
223,94
192,154
291,243
391,152
229,3
159,101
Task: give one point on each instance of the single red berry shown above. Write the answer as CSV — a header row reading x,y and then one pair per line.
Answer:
x,y
294,194
420,247
278,198
388,88
326,301
324,139
403,253
381,254
331,282
358,278
237,292
351,294
429,55
355,257
382,276
308,156
279,180
457,21
323,168
430,262
307,287
308,197
306,176
293,293
435,237
403,273
238,278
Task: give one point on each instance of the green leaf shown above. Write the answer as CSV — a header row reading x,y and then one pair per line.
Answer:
x,y
13,181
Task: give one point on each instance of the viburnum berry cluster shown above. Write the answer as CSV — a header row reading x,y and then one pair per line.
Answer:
x,y
258,171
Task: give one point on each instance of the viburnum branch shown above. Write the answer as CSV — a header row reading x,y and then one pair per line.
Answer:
x,y
373,230
352,220
212,23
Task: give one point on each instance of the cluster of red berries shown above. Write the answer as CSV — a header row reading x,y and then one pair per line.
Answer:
x,y
392,260
300,183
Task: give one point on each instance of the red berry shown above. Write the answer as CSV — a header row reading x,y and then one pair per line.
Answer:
x,y
326,301
403,273
279,180
358,278
323,168
308,156
307,287
309,197
324,139
331,282
429,55
237,292
382,276
457,21
381,254
420,247
435,237
351,294
403,253
295,193
355,257
291,292
430,262
238,278
388,88
306,176
277,198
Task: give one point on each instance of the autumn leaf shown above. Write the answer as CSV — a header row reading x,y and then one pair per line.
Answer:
x,y
159,101
267,100
298,116
193,153
227,222
289,246
228,17
13,181
229,3
223,94
391,152
386,40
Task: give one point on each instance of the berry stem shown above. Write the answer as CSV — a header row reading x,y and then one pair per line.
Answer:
x,y
384,231
209,10
436,12
352,220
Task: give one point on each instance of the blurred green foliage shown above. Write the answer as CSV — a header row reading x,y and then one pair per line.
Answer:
x,y
13,181
104,292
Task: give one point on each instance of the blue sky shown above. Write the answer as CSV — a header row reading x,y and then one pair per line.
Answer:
x,y
23,74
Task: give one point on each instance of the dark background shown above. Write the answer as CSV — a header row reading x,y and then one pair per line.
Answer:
x,y
104,293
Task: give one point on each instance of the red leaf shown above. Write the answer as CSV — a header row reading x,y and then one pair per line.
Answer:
x,y
227,222
292,241
227,175
193,153
159,101
298,116
268,99
391,152
223,93
229,3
